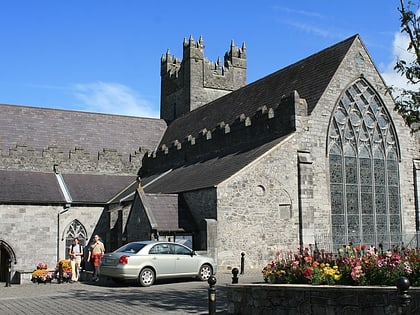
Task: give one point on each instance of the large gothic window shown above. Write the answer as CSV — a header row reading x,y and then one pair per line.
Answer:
x,y
363,157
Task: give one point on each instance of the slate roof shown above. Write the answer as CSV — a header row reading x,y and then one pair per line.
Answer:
x,y
43,127
167,215
204,174
96,189
29,187
309,77
23,187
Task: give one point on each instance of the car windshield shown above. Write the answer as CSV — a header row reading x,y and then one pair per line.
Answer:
x,y
131,248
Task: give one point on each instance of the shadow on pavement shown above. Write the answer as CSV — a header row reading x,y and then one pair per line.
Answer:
x,y
184,296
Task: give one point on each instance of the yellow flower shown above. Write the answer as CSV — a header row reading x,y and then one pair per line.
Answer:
x,y
39,273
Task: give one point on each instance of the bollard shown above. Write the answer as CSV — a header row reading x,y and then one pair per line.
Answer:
x,y
9,273
242,263
404,298
235,272
60,272
212,295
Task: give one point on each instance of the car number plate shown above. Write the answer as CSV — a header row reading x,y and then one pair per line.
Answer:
x,y
108,260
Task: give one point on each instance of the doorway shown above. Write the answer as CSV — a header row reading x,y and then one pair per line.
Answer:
x,y
4,263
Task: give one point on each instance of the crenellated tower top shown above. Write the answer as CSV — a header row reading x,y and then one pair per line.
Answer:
x,y
195,81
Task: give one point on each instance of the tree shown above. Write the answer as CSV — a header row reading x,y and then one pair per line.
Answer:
x,y
408,101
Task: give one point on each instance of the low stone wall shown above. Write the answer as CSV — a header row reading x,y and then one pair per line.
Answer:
x,y
274,299
21,277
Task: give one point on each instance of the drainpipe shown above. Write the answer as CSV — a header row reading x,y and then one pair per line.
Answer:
x,y
417,198
66,207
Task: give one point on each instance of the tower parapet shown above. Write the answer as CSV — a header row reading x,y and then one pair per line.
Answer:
x,y
195,81
241,134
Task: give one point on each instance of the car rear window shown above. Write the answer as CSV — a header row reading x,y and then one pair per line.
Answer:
x,y
131,248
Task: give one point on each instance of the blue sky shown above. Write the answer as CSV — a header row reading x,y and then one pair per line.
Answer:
x,y
104,56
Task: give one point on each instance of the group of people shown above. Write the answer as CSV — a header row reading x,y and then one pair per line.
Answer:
x,y
96,252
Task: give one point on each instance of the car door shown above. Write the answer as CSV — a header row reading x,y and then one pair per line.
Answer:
x,y
162,260
185,262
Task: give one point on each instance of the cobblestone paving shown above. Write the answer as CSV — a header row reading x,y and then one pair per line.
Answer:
x,y
165,297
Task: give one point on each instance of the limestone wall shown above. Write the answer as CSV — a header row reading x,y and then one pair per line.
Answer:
x,y
109,161
257,209
37,233
313,139
270,299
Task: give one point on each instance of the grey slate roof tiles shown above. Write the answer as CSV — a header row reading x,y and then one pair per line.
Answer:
x,y
309,77
94,132
40,128
205,174
43,188
29,187
168,216
87,188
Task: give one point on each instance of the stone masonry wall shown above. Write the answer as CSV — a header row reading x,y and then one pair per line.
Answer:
x,y
314,141
251,223
202,204
258,209
32,232
195,81
78,160
272,299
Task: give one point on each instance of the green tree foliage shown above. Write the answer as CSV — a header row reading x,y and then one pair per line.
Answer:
x,y
408,101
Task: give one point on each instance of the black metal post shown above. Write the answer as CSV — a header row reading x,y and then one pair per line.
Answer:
x,y
242,263
9,273
212,295
60,272
235,272
404,299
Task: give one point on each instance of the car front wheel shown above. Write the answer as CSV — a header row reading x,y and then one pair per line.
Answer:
x,y
146,277
205,272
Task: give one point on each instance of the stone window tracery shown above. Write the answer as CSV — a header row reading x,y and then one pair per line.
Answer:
x,y
364,174
75,229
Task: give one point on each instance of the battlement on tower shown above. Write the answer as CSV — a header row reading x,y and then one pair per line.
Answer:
x,y
195,81
244,133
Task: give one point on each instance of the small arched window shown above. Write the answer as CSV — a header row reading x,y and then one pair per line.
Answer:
x,y
75,230
364,178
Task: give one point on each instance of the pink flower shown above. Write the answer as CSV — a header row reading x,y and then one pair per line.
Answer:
x,y
356,272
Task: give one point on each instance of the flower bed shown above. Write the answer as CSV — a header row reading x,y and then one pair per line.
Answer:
x,y
353,265
66,268
43,275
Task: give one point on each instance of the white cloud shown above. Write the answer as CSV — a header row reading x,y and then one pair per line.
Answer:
x,y
113,98
399,51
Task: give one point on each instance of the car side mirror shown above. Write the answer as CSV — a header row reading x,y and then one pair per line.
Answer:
x,y
193,253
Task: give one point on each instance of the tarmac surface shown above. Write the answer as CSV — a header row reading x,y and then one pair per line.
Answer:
x,y
186,296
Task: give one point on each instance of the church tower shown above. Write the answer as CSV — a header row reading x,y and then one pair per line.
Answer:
x,y
195,81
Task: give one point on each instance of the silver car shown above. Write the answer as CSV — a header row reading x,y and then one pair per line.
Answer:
x,y
147,261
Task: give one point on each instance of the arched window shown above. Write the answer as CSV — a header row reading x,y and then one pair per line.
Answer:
x,y
364,178
75,229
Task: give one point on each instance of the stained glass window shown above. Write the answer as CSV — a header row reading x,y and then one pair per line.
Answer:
x,y
364,179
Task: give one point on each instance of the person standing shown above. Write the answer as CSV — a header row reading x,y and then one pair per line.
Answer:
x,y
96,252
76,255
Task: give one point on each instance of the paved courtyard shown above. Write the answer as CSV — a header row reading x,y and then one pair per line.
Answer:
x,y
104,297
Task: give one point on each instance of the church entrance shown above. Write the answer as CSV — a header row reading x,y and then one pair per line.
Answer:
x,y
7,256
4,263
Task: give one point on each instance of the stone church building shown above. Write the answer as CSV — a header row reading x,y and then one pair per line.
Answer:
x,y
313,153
